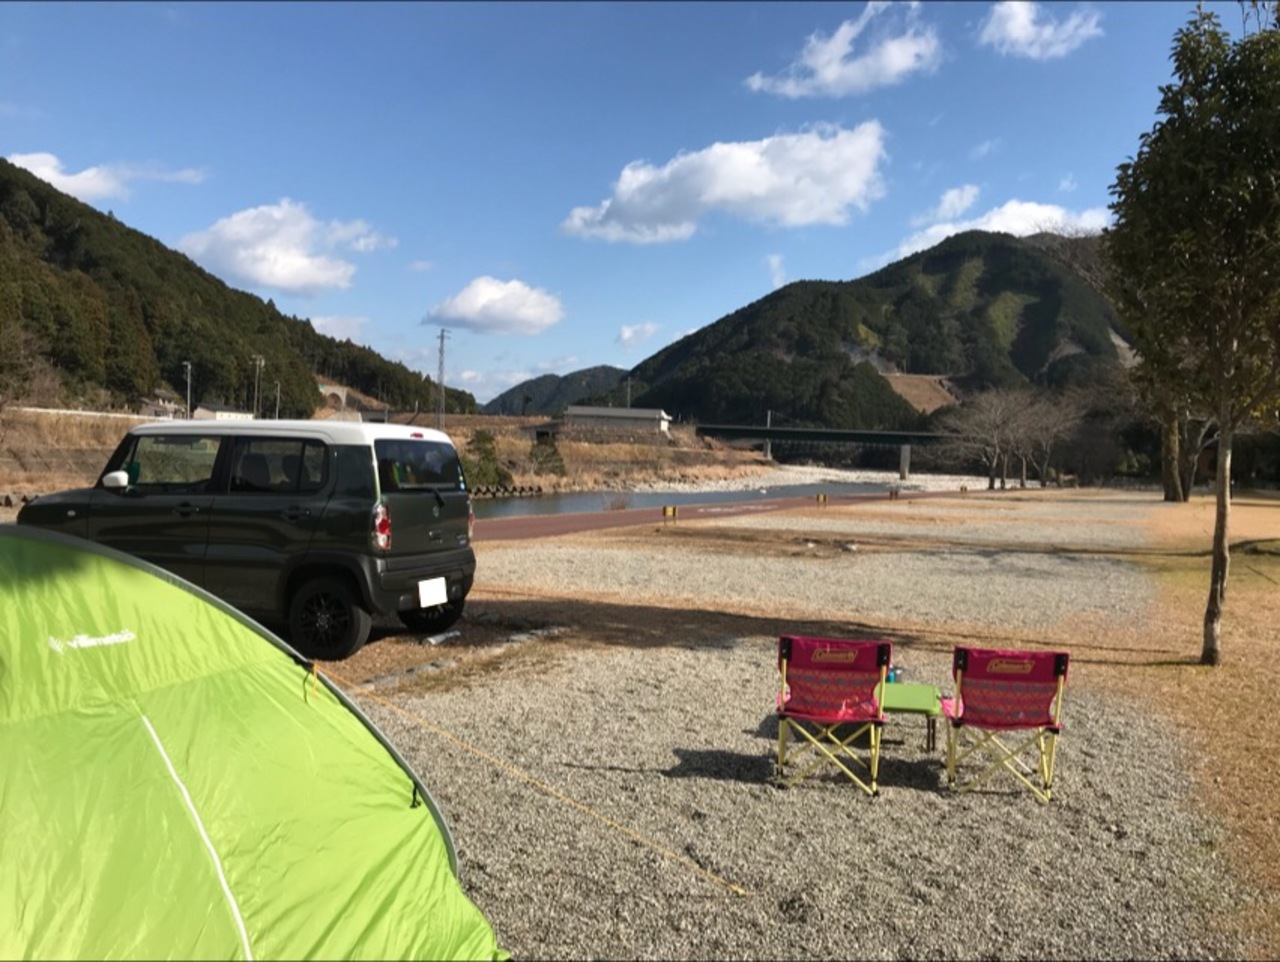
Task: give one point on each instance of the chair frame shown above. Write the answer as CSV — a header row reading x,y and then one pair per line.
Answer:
x,y
1004,752
819,732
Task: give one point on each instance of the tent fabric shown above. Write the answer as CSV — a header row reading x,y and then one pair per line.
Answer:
x,y
176,783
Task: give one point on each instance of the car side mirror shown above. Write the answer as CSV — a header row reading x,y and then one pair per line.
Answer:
x,y
115,479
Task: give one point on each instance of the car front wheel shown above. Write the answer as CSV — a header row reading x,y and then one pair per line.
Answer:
x,y
326,620
432,621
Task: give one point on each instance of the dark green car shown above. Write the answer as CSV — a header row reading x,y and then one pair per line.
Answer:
x,y
316,526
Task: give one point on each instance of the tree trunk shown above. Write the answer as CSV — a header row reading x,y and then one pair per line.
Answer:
x,y
1211,653
1170,461
1190,460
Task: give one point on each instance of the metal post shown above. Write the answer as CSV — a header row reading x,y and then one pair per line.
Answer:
x,y
258,362
186,365
277,400
440,384
768,447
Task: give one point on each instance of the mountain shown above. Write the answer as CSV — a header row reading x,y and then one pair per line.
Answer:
x,y
113,310
982,310
551,393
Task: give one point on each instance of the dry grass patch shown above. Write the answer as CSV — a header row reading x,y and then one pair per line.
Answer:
x,y
1225,713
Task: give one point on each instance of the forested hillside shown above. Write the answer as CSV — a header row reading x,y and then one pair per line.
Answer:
x,y
113,310
552,393
983,310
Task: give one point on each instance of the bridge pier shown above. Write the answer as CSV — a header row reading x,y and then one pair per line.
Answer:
x,y
904,462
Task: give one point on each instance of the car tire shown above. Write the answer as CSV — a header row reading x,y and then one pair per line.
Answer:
x,y
432,621
327,621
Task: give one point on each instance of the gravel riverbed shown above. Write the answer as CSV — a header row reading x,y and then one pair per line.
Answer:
x,y
614,801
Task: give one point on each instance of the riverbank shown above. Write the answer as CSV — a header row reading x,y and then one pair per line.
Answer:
x,y
770,475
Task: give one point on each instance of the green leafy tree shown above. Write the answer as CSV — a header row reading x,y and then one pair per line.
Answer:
x,y
1194,248
480,462
545,457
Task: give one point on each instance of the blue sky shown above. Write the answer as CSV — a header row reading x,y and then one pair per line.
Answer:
x,y
565,185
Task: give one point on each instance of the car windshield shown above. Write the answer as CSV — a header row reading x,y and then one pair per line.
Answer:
x,y
413,464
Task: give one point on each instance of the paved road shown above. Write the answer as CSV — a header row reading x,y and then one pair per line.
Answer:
x,y
547,525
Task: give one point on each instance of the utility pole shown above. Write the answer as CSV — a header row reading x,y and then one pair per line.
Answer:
x,y
186,366
277,400
258,362
628,390
768,447
440,383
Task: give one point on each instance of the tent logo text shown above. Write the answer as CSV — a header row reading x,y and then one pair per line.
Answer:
x,y
84,641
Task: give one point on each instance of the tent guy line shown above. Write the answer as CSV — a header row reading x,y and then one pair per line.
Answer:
x,y
549,790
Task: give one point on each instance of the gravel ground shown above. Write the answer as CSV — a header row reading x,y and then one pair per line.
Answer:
x,y
616,802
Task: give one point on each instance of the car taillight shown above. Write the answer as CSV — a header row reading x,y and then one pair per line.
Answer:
x,y
382,528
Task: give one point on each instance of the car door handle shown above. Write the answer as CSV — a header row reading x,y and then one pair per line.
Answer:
x,y
295,513
186,509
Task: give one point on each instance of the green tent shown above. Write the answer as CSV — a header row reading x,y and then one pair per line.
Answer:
x,y
176,783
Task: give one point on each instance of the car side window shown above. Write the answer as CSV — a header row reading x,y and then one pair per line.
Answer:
x,y
172,464
277,466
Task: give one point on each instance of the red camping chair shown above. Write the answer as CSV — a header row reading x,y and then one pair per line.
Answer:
x,y
1006,711
830,695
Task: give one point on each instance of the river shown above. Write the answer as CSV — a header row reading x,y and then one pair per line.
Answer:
x,y
615,500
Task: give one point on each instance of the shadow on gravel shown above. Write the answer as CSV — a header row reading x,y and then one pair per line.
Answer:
x,y
654,626
721,766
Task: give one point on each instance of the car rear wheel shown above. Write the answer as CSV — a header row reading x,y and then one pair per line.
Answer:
x,y
326,620
432,621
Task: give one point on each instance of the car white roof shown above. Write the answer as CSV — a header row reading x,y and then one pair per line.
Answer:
x,y
331,432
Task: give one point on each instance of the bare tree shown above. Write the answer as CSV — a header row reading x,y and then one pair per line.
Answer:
x,y
982,430
1047,421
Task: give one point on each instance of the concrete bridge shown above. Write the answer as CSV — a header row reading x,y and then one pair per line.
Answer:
x,y
902,440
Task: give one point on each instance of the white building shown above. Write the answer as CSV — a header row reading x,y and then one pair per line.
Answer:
x,y
617,419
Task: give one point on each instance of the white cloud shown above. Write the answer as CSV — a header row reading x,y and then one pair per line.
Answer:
x,y
984,149
1015,27
631,336
1018,217
777,271
829,66
282,247
420,267
952,204
490,306
792,180
340,328
1067,184
99,183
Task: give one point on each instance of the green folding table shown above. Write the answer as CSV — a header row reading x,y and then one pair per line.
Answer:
x,y
914,699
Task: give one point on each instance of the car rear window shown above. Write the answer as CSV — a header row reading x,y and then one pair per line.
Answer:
x,y
417,464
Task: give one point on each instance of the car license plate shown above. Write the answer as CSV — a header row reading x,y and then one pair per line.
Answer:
x,y
432,592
